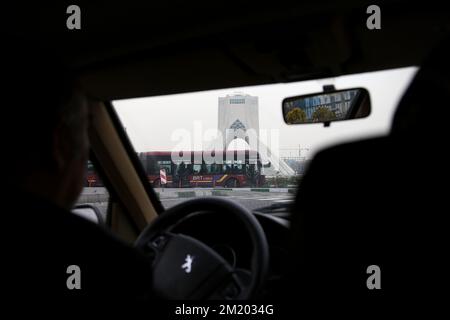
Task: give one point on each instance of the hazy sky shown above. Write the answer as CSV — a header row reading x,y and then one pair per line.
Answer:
x,y
151,122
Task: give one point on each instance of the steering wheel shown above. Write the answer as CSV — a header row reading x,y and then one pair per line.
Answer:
x,y
185,268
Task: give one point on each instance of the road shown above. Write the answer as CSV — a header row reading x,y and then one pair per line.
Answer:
x,y
250,200
170,197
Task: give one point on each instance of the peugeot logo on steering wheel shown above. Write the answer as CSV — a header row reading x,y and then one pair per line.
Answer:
x,y
188,263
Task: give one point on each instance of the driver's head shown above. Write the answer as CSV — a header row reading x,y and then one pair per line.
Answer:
x,y
45,123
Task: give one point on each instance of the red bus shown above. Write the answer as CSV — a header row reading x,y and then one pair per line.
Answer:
x,y
91,177
236,169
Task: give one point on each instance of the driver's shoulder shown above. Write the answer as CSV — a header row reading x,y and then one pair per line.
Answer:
x,y
54,242
93,243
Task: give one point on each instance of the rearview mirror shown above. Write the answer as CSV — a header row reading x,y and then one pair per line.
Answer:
x,y
328,106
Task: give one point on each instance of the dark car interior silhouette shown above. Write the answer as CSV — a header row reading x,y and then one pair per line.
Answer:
x,y
387,206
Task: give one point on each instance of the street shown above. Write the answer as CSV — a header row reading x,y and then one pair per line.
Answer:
x,y
247,197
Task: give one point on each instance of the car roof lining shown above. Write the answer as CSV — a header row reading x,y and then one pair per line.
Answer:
x,y
148,49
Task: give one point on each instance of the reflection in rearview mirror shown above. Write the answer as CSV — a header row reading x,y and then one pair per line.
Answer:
x,y
327,106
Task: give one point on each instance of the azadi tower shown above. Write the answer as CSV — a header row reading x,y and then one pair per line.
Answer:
x,y
239,119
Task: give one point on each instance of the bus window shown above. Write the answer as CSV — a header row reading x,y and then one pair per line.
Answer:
x,y
250,169
237,169
152,166
205,169
167,167
196,168
214,168
165,164
181,169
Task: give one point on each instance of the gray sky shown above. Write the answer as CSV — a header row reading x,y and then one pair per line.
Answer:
x,y
151,122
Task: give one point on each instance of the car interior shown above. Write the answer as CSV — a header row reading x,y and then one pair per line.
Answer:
x,y
386,207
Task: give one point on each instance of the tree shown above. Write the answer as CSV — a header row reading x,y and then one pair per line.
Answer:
x,y
252,175
181,173
296,115
204,169
323,114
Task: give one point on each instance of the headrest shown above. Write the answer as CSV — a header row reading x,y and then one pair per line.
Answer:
x,y
423,111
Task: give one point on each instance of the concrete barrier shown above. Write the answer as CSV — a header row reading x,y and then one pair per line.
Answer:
x,y
97,195
93,198
186,194
260,189
219,193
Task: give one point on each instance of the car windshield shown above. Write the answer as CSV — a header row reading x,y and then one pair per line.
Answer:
x,y
235,143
